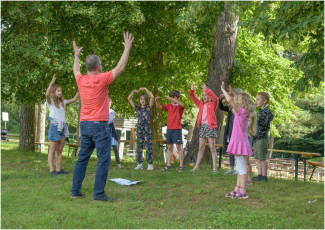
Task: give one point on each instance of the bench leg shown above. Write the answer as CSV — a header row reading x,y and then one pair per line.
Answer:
x,y
305,171
158,152
312,173
296,167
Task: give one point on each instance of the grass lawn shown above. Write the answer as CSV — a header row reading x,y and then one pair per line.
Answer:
x,y
31,198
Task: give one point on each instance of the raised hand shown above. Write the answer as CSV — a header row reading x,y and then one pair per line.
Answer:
x,y
157,98
192,87
77,50
142,88
221,96
231,92
204,87
223,86
53,79
128,39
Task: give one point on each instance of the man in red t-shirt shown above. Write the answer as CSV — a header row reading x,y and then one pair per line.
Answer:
x,y
94,129
174,127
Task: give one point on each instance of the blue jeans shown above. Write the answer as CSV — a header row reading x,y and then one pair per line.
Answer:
x,y
93,134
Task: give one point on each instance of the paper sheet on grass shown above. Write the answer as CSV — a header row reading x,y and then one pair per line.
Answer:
x,y
124,181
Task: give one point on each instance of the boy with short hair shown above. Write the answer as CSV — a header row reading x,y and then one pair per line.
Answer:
x,y
261,139
174,127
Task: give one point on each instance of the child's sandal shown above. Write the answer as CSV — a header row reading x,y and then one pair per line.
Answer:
x,y
231,194
181,169
167,168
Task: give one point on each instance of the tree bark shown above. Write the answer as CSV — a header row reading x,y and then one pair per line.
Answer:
x,y
220,67
27,128
156,114
40,118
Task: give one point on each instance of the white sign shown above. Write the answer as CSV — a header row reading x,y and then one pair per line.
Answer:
x,y
5,116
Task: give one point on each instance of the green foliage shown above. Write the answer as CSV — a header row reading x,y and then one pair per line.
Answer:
x,y
167,200
298,26
260,68
305,130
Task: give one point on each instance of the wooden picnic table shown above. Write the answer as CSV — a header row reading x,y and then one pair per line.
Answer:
x,y
304,155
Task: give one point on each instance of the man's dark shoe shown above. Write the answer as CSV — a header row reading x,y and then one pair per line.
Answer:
x,y
78,195
63,172
54,173
263,179
103,197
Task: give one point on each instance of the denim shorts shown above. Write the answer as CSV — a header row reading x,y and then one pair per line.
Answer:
x,y
174,136
54,134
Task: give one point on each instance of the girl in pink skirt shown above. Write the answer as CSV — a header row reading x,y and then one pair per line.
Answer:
x,y
244,110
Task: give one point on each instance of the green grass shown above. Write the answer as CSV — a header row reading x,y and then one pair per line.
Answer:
x,y
31,198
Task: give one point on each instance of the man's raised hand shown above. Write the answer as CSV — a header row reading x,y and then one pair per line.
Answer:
x,y
77,50
128,39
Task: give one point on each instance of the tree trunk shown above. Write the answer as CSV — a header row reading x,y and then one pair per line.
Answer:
x,y
27,128
156,114
220,66
40,118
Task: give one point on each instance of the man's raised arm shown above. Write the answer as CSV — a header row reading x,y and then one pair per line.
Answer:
x,y
118,70
76,66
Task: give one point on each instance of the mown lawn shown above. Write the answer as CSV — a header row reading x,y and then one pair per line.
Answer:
x,y
31,198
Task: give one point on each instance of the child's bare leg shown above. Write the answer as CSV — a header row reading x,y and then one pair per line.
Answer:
x,y
59,154
180,154
259,167
202,142
170,154
213,152
263,168
248,168
50,157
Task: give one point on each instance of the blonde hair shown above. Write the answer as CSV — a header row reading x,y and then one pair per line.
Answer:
x,y
237,91
265,96
245,101
57,101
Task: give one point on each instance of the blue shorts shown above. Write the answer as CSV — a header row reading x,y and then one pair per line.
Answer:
x,y
174,136
54,134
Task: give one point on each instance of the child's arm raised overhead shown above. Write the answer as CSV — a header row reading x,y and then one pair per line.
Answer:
x,y
229,98
73,99
158,105
213,97
193,97
131,96
152,98
176,101
48,91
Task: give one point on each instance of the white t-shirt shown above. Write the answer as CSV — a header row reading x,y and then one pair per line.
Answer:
x,y
55,113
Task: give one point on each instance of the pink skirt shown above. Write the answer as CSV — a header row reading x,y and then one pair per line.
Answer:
x,y
239,147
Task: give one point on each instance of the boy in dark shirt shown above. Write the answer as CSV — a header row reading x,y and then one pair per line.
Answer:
x,y
261,139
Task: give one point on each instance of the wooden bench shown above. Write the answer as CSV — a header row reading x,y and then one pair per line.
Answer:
x,y
314,165
74,147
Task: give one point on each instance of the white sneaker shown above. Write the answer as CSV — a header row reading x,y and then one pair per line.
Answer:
x,y
139,166
150,167
230,171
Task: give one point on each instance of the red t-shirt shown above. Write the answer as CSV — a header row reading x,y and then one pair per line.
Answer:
x,y
93,91
175,113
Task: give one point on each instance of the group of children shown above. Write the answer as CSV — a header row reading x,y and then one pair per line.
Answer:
x,y
242,119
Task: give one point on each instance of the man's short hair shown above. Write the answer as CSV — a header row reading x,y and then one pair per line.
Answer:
x,y
91,62
265,96
175,93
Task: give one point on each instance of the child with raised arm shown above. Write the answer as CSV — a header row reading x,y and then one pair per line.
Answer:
x,y
228,128
207,122
244,110
58,130
261,139
174,127
144,135
114,137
